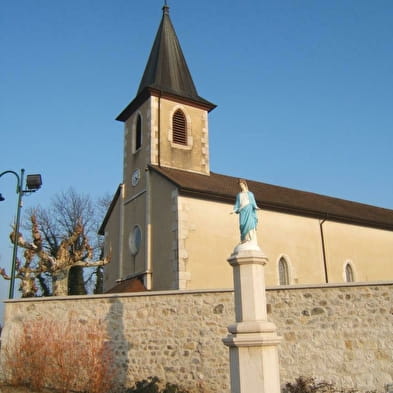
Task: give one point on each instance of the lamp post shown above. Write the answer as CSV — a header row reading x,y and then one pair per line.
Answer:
x,y
33,183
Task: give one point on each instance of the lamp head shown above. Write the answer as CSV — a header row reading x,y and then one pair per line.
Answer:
x,y
33,182
2,198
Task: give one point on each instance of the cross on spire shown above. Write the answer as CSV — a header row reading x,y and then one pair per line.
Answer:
x,y
165,8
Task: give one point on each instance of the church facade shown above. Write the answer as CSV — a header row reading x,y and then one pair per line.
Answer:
x,y
169,225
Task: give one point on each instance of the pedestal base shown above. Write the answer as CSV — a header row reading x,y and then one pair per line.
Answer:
x,y
253,355
252,339
253,370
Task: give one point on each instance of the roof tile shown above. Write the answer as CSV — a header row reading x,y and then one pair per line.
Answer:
x,y
271,197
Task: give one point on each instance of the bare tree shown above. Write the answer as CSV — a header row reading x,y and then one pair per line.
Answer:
x,y
67,257
68,210
64,242
102,207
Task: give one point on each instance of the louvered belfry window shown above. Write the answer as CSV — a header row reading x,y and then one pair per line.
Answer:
x,y
179,128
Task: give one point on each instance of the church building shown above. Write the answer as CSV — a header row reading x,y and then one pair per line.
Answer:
x,y
169,225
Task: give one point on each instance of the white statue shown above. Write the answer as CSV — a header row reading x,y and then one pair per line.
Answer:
x,y
247,208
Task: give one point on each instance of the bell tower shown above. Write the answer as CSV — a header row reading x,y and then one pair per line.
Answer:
x,y
165,125
167,122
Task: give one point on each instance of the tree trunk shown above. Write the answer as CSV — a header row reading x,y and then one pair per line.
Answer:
x,y
44,286
100,280
27,286
60,282
76,284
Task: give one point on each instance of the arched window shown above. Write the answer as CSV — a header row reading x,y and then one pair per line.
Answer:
x,y
179,128
138,134
283,273
349,273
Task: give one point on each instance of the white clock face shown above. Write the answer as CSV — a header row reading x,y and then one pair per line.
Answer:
x,y
136,175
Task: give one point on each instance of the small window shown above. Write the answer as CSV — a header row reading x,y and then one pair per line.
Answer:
x,y
283,272
179,128
349,273
138,133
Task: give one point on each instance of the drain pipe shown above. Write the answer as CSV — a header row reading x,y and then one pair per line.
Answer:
x,y
148,257
121,231
159,130
324,249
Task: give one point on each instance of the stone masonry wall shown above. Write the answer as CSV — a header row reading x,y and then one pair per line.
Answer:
x,y
342,334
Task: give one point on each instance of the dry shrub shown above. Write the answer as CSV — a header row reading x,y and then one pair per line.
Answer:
x,y
154,385
311,385
66,356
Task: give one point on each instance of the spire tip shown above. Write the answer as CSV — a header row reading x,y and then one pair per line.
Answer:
x,y
165,8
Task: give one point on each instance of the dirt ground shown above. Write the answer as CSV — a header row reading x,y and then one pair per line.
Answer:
x,y
13,389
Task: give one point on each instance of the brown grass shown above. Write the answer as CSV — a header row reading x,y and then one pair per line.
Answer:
x,y
65,356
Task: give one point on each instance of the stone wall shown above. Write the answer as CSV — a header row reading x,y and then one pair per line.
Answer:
x,y
342,334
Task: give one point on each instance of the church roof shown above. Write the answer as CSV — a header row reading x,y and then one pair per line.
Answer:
x,y
166,71
270,197
134,284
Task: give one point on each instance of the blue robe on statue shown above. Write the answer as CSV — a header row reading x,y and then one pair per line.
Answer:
x,y
248,218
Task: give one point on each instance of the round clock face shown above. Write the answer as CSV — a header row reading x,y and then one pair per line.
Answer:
x,y
136,175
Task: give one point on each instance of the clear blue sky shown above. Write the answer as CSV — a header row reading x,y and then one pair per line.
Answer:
x,y
304,90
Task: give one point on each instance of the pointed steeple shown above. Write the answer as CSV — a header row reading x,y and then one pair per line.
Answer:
x,y
166,71
166,68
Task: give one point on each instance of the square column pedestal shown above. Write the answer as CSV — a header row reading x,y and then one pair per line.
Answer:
x,y
252,339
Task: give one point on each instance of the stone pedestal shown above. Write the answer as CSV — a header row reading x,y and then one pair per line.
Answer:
x,y
252,339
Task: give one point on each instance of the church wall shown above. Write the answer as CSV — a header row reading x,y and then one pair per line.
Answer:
x,y
164,232
369,251
112,247
136,158
298,240
135,189
134,215
193,157
342,334
210,234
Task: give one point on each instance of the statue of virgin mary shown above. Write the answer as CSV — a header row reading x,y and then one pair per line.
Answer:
x,y
247,208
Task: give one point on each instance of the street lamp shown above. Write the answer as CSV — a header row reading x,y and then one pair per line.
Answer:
x,y
33,183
